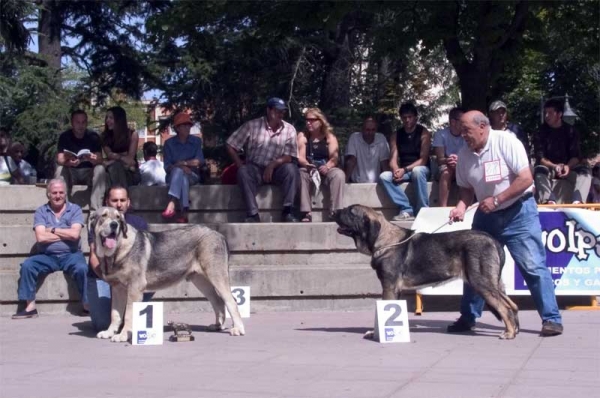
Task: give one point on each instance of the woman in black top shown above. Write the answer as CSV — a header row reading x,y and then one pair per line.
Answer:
x,y
318,152
120,146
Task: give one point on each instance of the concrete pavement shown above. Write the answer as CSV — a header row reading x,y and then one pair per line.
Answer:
x,y
303,354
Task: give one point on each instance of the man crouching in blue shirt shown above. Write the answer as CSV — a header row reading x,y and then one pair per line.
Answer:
x,y
57,226
99,294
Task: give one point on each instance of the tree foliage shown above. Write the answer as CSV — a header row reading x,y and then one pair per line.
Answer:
x,y
222,59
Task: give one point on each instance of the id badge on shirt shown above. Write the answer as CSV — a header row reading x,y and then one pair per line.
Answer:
x,y
492,171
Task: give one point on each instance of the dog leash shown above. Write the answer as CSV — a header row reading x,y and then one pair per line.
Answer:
x,y
474,205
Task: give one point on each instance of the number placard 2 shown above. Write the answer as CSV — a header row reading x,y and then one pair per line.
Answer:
x,y
391,322
147,325
241,294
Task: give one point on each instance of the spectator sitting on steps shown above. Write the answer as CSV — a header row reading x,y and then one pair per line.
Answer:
x,y
558,155
152,170
271,151
367,154
57,226
409,161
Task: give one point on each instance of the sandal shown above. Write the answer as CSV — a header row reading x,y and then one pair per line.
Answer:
x,y
168,214
307,217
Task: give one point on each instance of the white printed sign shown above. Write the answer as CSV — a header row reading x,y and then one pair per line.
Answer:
x,y
241,294
147,326
391,322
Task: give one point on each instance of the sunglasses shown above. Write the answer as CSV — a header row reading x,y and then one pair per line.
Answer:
x,y
311,120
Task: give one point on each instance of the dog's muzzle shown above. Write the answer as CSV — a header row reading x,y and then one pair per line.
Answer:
x,y
109,241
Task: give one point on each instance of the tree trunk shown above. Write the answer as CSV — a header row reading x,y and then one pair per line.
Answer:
x,y
338,58
50,33
479,72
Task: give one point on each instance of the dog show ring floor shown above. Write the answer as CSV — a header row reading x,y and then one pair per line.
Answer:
x,y
303,354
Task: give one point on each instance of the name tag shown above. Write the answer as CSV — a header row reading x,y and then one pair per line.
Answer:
x,y
492,171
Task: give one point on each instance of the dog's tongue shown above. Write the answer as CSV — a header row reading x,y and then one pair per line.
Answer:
x,y
110,243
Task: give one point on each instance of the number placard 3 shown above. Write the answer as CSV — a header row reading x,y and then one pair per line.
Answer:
x,y
391,322
147,325
241,295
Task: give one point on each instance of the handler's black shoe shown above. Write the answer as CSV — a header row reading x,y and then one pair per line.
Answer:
x,y
551,329
288,217
25,314
460,326
254,218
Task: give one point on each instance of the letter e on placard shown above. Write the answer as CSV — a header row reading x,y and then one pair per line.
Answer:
x,y
241,294
391,322
147,324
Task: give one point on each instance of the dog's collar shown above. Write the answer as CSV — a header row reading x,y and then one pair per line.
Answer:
x,y
392,245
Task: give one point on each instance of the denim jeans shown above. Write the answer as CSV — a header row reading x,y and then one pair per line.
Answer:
x,y
418,176
517,227
73,264
99,300
179,185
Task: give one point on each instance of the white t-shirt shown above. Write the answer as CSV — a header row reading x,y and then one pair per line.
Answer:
x,y
368,157
5,170
491,171
153,173
451,143
26,169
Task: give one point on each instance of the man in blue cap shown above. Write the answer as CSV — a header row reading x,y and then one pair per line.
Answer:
x,y
270,146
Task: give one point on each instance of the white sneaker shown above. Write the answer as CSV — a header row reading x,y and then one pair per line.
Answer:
x,y
404,216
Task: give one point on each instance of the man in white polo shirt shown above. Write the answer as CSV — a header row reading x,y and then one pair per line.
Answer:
x,y
367,154
495,168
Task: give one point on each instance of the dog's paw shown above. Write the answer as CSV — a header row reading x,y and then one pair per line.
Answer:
x,y
370,335
237,331
215,327
120,338
506,335
107,334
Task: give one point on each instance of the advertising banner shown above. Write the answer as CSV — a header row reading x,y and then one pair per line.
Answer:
x,y
572,241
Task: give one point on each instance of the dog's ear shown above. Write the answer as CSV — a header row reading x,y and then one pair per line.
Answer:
x,y
123,224
92,219
372,227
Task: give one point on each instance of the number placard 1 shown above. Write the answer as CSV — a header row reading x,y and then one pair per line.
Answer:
x,y
241,295
147,325
391,322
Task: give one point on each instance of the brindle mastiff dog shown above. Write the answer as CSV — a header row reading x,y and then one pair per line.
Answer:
x,y
134,261
404,259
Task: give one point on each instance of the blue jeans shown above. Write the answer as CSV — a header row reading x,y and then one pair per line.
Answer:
x,y
179,185
517,227
73,264
418,176
99,299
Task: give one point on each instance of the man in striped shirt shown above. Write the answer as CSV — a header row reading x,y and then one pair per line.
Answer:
x,y
270,146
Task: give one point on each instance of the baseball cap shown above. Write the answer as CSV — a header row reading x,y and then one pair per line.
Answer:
x,y
494,106
277,103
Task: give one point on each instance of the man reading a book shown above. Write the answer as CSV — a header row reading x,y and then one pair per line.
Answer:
x,y
75,165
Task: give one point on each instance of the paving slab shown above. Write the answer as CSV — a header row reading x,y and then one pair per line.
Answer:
x,y
301,355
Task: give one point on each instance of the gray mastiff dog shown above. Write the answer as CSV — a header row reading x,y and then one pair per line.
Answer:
x,y
133,261
404,259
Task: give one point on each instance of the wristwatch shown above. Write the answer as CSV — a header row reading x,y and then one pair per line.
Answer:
x,y
53,230
496,203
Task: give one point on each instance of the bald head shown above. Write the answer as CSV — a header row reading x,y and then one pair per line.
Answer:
x,y
475,129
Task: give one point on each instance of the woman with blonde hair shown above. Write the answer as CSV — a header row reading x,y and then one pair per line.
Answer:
x,y
318,153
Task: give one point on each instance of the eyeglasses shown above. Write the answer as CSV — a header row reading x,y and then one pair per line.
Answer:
x,y
311,119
